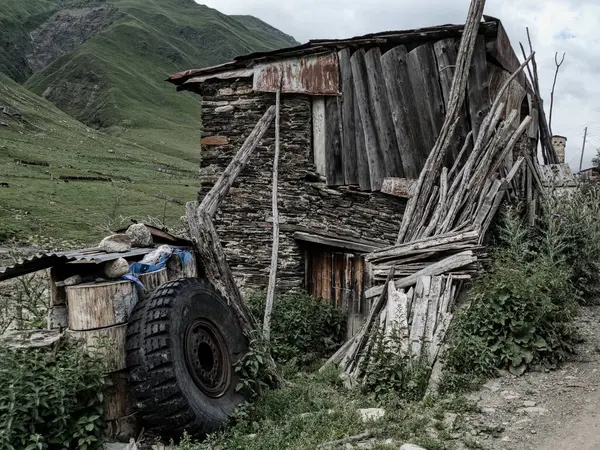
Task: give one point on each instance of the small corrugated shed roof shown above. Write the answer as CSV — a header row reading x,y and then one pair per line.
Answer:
x,y
43,261
93,255
239,66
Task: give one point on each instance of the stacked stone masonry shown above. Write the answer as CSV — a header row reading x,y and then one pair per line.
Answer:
x,y
230,111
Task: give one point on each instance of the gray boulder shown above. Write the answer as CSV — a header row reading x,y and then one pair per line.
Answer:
x,y
117,243
140,235
116,268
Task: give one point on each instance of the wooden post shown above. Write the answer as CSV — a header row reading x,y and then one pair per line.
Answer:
x,y
275,250
583,149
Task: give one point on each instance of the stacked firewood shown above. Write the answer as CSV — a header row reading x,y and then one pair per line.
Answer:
x,y
443,229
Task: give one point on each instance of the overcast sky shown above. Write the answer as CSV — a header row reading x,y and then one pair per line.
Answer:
x,y
570,26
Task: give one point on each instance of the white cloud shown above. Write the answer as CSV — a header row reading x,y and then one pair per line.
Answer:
x,y
556,26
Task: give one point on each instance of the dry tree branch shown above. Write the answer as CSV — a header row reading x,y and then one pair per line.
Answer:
x,y
558,64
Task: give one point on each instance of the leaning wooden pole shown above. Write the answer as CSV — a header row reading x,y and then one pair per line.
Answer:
x,y
206,240
456,101
275,250
212,201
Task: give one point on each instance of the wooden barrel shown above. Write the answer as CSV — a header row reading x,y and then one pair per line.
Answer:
x,y
100,305
153,280
108,342
176,269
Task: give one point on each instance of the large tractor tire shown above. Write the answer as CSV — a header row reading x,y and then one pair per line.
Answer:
x,y
182,343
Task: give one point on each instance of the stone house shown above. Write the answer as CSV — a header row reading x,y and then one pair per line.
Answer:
x,y
358,119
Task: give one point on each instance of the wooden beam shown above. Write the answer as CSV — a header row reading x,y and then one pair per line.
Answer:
x,y
349,145
361,94
338,242
334,167
403,110
424,79
362,158
213,199
448,264
384,126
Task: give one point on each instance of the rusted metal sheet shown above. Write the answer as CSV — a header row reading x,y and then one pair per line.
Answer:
x,y
312,75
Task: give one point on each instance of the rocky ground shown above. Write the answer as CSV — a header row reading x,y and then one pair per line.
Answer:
x,y
544,410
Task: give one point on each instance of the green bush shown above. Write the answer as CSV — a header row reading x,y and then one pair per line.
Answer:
x,y
573,219
521,310
303,329
391,375
50,399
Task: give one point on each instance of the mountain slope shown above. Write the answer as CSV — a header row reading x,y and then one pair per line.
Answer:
x,y
113,79
61,179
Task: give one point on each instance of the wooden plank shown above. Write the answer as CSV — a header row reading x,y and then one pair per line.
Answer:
x,y
362,158
446,52
326,286
403,110
438,268
398,187
375,158
334,168
478,91
338,242
349,144
423,245
420,307
213,199
338,279
423,74
318,126
347,285
384,125
433,300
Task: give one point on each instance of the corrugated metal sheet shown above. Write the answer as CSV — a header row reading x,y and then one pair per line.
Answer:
x,y
46,260
312,74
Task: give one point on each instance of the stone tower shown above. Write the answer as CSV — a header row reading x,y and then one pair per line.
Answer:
x,y
559,143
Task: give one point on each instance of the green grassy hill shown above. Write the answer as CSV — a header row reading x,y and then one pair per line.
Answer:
x,y
104,64
39,144
115,79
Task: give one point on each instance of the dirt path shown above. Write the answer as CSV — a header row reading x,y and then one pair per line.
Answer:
x,y
558,410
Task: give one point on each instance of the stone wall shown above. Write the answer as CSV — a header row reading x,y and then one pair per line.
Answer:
x,y
230,112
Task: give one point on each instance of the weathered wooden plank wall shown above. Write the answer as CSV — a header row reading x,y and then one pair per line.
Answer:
x,y
392,106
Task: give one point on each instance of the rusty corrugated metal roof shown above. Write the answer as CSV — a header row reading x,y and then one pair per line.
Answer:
x,y
489,28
